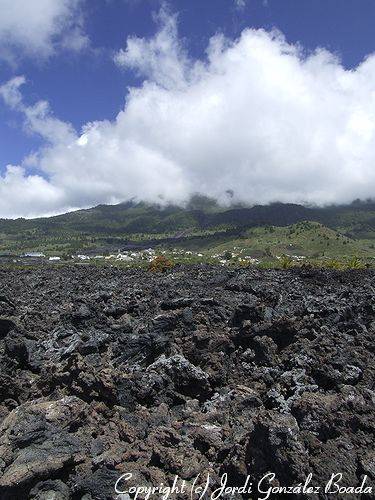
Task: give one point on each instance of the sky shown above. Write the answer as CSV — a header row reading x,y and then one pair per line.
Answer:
x,y
252,101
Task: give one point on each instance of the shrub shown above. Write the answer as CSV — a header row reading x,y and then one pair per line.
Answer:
x,y
268,252
160,264
355,263
334,264
267,264
286,262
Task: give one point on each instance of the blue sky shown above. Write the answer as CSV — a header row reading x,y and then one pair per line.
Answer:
x,y
85,87
84,84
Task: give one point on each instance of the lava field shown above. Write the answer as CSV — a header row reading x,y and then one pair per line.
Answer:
x,y
197,372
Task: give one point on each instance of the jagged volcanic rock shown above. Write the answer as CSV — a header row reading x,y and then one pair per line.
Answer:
x,y
201,370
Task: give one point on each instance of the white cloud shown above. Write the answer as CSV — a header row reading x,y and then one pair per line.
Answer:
x,y
10,92
161,59
38,195
37,28
240,4
38,118
257,117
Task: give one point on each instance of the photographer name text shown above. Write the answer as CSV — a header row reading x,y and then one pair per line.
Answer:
x,y
264,489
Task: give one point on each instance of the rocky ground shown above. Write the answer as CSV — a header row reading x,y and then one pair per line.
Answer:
x,y
202,370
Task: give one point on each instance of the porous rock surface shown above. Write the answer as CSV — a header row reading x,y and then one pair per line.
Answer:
x,y
199,370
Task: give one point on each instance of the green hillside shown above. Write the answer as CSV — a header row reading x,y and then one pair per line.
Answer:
x,y
264,231
309,239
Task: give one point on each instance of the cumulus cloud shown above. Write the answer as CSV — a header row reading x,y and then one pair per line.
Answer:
x,y
38,195
161,59
38,118
258,116
38,28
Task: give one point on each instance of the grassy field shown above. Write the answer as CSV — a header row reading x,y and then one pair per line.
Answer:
x,y
309,239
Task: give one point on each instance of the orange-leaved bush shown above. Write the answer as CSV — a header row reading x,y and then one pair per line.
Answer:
x,y
160,264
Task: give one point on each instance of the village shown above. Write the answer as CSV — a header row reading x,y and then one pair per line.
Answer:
x,y
134,257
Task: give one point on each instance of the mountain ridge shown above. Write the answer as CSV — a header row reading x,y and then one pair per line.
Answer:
x,y
141,223
276,213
